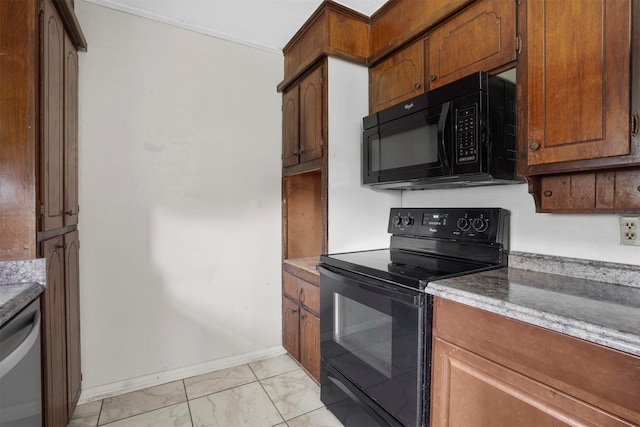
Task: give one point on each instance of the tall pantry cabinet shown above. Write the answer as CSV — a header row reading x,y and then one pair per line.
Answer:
x,y
39,210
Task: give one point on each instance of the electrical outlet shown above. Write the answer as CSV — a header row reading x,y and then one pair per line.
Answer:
x,y
630,230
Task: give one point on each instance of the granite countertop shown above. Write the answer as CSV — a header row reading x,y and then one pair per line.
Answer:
x,y
601,312
21,282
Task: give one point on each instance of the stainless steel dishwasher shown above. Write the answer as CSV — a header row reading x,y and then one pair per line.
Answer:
x,y
20,380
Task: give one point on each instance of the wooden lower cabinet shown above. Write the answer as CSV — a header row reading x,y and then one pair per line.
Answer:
x,y
301,322
54,336
489,370
291,327
310,342
61,329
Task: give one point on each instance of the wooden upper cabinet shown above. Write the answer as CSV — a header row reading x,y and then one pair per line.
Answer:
x,y
480,38
290,126
59,161
311,114
397,78
398,21
52,162
303,121
71,207
578,83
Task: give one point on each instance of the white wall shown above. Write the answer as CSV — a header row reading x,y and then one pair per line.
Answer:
x,y
592,237
180,137
358,215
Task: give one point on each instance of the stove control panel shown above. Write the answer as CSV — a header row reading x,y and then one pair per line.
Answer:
x,y
485,225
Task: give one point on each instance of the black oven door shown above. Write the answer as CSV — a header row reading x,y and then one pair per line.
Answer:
x,y
375,340
413,147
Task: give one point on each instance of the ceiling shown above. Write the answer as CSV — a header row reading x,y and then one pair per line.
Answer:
x,y
267,24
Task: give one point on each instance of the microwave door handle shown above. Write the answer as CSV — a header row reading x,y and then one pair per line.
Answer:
x,y
442,123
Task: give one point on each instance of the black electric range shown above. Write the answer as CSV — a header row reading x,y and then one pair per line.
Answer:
x,y
433,243
375,316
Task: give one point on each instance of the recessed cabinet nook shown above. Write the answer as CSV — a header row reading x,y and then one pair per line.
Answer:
x,y
577,70
39,41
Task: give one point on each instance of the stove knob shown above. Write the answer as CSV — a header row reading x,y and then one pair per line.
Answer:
x,y
480,224
463,224
397,221
407,221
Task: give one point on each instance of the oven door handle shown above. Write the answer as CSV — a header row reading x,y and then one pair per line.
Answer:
x,y
391,291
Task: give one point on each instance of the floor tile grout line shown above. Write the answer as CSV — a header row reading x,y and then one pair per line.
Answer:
x,y
273,403
186,396
141,413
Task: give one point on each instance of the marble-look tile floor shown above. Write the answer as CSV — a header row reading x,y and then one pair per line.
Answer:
x,y
270,392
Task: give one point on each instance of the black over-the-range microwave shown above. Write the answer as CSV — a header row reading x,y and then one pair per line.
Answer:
x,y
460,134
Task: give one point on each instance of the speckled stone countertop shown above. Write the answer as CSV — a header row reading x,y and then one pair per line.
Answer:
x,y
573,303
20,283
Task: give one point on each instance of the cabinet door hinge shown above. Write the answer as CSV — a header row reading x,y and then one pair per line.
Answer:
x,y
518,44
41,209
635,124
41,6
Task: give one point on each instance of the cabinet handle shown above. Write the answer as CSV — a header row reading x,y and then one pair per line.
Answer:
x,y
61,246
534,145
301,295
416,85
547,193
432,77
69,212
635,124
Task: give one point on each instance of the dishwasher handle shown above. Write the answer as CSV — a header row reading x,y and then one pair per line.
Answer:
x,y
9,362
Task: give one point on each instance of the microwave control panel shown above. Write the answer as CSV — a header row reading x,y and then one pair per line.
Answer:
x,y
467,135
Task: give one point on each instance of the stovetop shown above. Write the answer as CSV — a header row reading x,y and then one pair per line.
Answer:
x,y
432,243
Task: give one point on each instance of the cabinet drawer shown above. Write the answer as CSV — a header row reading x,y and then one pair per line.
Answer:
x,y
614,191
306,293
310,296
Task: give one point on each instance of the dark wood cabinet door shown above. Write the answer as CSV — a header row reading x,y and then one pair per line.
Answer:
x,y
54,335
310,343
397,78
72,294
592,375
52,157
311,116
290,126
291,327
577,82
474,391
70,133
480,38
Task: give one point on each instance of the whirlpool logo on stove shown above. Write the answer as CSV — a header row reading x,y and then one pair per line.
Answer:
x,y
408,106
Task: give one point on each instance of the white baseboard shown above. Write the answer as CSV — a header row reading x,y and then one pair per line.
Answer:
x,y
139,383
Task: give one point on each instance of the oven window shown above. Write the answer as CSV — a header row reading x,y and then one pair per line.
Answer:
x,y
364,332
373,337
410,147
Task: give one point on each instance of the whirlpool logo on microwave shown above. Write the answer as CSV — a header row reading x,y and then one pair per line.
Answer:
x,y
408,106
